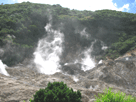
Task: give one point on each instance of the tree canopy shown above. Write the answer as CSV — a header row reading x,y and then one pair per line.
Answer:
x,y
26,21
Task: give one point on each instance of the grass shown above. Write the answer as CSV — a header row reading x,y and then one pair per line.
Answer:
x,y
113,97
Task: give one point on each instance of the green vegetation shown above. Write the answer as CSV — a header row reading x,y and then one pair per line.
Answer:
x,y
57,92
26,21
114,97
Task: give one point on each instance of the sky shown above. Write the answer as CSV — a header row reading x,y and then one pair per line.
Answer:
x,y
91,5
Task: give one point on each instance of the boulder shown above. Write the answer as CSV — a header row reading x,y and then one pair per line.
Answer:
x,y
73,69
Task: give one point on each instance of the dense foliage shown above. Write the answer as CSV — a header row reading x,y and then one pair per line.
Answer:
x,y
57,92
26,21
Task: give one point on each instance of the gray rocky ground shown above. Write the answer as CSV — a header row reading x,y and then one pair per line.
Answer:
x,y
23,82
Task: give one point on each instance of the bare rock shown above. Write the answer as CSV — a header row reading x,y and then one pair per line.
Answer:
x,y
73,69
23,82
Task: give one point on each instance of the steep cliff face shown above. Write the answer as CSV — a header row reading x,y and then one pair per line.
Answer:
x,y
23,82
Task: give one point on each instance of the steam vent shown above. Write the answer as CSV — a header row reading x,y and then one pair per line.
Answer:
x,y
87,50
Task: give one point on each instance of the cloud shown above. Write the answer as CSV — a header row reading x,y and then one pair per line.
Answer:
x,y
134,4
115,4
91,5
126,6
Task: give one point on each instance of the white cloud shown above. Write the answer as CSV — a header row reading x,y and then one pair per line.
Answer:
x,y
115,4
83,4
134,4
126,6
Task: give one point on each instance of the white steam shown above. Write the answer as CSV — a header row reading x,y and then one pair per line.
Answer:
x,y
83,33
2,69
88,60
75,79
100,62
48,51
104,47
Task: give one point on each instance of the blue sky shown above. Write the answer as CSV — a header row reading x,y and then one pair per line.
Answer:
x,y
92,5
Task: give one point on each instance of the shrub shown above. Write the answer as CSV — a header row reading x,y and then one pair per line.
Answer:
x,y
57,92
112,97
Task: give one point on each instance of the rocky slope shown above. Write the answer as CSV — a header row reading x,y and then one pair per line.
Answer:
x,y
23,82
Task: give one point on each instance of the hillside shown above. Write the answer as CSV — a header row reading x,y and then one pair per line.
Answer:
x,y
22,25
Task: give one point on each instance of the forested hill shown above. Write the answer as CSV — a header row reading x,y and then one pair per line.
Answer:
x,y
22,25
